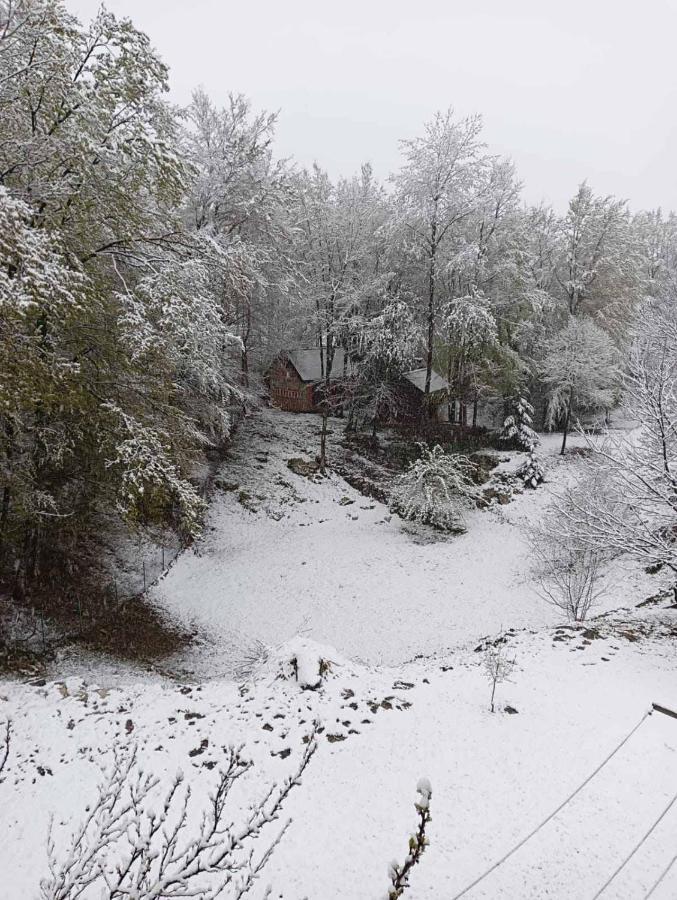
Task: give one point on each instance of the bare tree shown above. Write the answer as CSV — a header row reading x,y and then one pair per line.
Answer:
x,y
497,666
568,578
399,875
130,846
629,503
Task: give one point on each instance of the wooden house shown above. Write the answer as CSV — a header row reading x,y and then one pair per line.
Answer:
x,y
295,383
295,378
411,396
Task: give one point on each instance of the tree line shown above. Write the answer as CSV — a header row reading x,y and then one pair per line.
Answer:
x,y
153,260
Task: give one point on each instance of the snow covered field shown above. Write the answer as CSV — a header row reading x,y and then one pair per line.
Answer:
x,y
296,566
325,561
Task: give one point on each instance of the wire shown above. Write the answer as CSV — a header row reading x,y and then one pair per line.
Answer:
x,y
552,815
635,849
661,876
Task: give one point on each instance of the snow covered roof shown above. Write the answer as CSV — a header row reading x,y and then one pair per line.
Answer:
x,y
417,378
309,365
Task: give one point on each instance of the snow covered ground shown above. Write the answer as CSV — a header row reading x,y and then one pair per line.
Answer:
x,y
322,560
286,556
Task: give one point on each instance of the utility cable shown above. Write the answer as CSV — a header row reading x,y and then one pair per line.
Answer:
x,y
636,848
660,878
552,815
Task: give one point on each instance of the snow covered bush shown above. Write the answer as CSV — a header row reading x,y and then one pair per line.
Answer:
x,y
531,472
436,489
135,842
567,571
517,428
398,875
302,661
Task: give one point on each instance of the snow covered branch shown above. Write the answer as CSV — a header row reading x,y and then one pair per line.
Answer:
x,y
399,874
138,844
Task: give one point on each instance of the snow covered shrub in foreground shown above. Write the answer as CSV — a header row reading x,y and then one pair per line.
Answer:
x,y
135,844
435,490
531,472
399,875
517,427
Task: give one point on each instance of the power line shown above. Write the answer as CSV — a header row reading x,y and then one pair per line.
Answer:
x,y
552,815
660,878
635,849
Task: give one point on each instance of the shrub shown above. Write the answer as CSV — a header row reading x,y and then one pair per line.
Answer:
x,y
436,489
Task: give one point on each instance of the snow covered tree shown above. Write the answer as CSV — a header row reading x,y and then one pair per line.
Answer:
x,y
531,472
517,428
438,187
241,197
382,349
498,667
116,347
566,570
436,490
598,269
580,370
470,330
629,503
338,247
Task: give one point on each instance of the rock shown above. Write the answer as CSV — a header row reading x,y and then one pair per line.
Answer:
x,y
485,459
302,467
345,501
511,710
224,485
500,495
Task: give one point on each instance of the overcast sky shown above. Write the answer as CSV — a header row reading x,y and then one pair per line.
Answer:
x,y
570,90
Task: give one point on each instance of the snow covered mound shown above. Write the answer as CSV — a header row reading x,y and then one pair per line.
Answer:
x,y
304,662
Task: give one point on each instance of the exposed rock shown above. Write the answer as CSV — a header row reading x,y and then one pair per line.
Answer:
x,y
303,467
485,459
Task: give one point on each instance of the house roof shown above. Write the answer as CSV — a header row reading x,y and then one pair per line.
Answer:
x,y
309,364
417,378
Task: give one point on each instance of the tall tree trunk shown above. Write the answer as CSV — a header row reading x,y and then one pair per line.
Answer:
x,y
4,515
326,401
566,429
246,331
432,277
323,440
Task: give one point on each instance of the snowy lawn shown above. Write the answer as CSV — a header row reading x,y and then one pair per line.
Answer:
x,y
323,560
494,777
